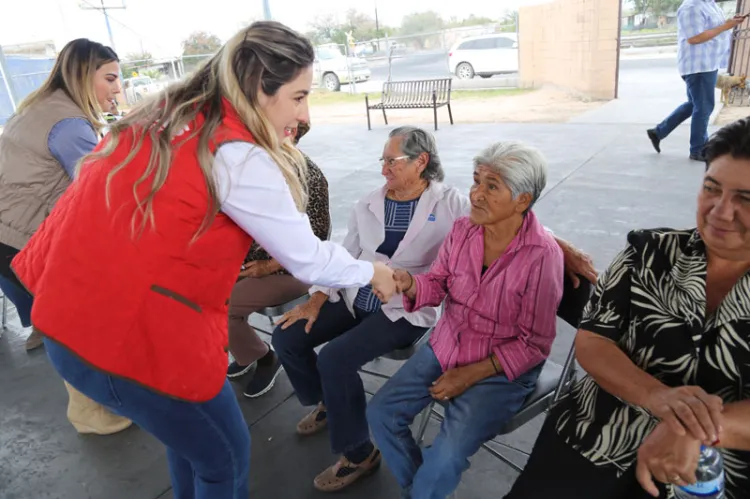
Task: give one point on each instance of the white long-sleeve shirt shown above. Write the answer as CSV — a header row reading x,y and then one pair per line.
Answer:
x,y
255,195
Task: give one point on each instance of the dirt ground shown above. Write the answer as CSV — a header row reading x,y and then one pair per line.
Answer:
x,y
732,113
541,106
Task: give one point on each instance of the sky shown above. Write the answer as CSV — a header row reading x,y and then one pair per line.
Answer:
x,y
159,26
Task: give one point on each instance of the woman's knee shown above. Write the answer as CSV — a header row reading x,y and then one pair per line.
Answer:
x,y
291,340
336,358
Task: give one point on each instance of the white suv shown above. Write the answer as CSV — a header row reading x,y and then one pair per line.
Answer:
x,y
485,56
332,68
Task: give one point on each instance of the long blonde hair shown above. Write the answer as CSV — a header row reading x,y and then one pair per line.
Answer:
x,y
260,58
73,73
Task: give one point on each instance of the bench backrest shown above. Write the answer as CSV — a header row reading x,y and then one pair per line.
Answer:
x,y
416,91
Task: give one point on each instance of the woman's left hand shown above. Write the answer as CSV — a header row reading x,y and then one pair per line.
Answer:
x,y
577,263
452,383
668,458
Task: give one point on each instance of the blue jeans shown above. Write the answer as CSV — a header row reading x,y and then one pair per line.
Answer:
x,y
19,297
332,376
471,419
700,105
208,444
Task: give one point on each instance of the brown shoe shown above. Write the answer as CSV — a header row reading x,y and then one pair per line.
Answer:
x,y
313,423
88,416
34,341
344,472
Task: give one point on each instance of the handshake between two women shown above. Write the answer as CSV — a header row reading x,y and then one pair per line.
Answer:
x,y
386,282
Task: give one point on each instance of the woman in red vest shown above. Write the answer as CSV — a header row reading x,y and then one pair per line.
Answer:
x,y
132,271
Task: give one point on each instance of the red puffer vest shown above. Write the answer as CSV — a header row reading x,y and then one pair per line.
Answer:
x,y
149,307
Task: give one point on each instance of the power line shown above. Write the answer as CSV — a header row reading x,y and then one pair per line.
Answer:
x,y
132,30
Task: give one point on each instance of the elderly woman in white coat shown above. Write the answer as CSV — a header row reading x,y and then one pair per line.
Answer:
x,y
402,224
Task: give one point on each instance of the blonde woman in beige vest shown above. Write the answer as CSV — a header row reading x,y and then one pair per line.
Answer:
x,y
41,144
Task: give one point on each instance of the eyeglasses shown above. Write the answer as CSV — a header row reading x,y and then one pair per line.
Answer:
x,y
390,162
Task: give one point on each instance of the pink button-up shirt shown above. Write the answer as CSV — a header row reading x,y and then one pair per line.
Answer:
x,y
510,310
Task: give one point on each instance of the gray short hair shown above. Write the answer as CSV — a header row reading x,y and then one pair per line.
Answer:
x,y
415,141
522,167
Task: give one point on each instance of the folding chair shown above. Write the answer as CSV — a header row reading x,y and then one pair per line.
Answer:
x,y
554,380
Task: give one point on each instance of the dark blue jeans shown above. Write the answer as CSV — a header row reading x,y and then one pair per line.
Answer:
x,y
19,297
208,444
332,376
699,106
471,419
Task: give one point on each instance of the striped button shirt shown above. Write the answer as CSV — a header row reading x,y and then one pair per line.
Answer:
x,y
398,215
693,18
510,310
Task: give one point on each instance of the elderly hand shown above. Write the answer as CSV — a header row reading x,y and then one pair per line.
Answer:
x,y
259,268
452,383
577,263
383,285
307,312
404,283
688,410
668,458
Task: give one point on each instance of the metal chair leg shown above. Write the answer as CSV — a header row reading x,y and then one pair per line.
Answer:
x,y
5,310
501,457
424,418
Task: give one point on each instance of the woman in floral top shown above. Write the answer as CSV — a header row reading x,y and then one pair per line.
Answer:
x,y
666,343
264,283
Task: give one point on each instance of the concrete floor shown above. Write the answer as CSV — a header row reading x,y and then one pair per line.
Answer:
x,y
603,181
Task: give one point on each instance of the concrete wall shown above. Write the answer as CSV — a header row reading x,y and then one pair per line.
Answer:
x,y
571,44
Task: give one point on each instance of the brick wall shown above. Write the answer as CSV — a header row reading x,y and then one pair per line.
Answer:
x,y
571,44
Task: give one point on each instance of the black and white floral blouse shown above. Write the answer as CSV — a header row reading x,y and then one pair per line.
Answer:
x,y
652,302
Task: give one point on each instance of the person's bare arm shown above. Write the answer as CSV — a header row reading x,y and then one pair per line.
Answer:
x,y
736,431
712,33
684,408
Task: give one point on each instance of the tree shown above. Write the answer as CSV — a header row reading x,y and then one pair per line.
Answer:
x,y
326,29
642,7
135,62
200,43
361,25
662,7
421,22
472,20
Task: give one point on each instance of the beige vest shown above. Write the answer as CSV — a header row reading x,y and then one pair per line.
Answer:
x,y
31,179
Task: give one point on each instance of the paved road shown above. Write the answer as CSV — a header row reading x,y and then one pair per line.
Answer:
x,y
435,65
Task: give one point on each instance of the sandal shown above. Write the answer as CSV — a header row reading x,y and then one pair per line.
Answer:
x,y
313,422
344,472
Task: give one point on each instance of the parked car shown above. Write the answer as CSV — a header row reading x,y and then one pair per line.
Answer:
x,y
484,55
332,68
135,89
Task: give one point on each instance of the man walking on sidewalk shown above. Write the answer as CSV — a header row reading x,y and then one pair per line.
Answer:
x,y
703,40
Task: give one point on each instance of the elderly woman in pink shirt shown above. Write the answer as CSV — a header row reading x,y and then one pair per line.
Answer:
x,y
499,274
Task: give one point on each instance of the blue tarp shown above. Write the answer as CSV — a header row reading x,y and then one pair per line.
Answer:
x,y
27,74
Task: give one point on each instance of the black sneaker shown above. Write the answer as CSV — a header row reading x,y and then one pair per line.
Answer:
x,y
264,377
235,370
655,140
698,157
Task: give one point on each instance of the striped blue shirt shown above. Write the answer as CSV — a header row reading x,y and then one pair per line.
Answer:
x,y
398,215
693,18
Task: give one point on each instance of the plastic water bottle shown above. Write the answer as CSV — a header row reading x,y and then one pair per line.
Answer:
x,y
710,475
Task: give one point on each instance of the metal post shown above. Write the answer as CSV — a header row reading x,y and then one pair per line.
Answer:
x,y
106,20
104,10
9,86
266,11
109,27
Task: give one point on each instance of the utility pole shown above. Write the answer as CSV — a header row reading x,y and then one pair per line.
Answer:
x,y
104,9
267,11
377,26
